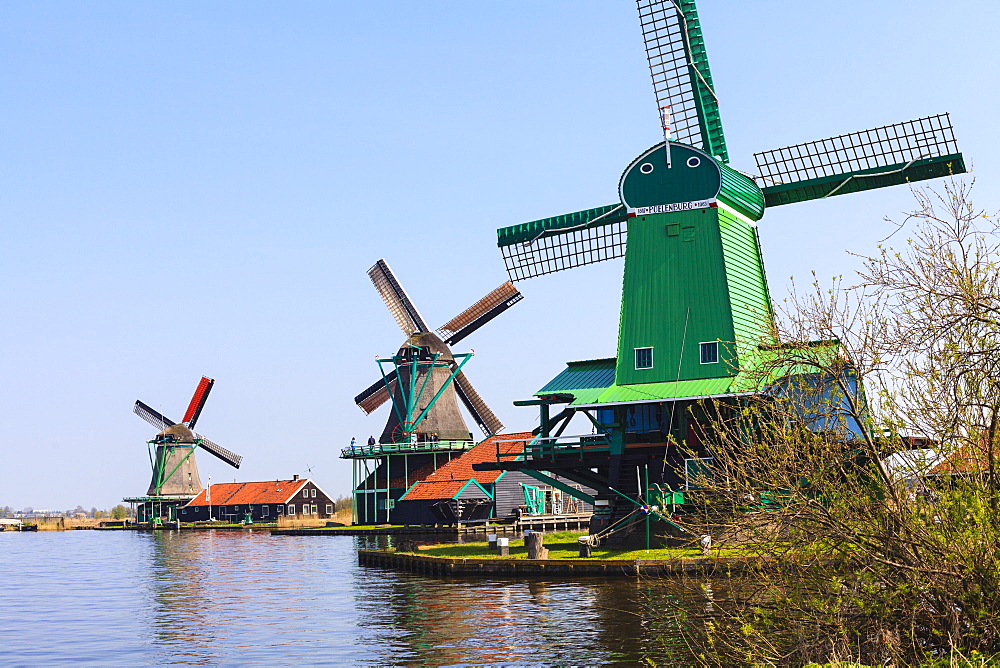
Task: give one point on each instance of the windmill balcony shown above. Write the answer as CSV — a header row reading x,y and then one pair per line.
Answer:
x,y
360,451
552,447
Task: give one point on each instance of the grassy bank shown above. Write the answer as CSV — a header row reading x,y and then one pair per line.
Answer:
x,y
563,545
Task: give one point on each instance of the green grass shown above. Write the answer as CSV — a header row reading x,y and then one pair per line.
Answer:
x,y
563,545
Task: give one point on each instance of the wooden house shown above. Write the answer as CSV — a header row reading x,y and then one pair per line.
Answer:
x,y
456,492
261,501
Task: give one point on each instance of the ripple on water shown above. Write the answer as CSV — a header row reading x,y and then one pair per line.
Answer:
x,y
210,597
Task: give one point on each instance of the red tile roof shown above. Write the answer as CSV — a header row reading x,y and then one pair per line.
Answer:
x,y
449,479
271,491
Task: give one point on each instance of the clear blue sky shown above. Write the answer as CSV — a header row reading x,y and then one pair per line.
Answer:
x,y
198,188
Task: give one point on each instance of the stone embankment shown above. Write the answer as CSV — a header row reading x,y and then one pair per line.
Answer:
x,y
416,563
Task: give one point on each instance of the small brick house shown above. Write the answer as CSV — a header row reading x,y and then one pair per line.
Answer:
x,y
264,501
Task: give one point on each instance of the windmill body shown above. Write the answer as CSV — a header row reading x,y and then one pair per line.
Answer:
x,y
423,384
696,315
175,479
175,470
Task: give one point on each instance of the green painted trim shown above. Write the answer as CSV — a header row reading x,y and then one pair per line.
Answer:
x,y
547,227
830,186
473,481
713,140
552,482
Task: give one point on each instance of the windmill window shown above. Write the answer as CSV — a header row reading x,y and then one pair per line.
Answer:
x,y
709,352
673,230
643,358
693,161
646,168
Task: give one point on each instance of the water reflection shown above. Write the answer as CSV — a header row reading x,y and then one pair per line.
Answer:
x,y
226,597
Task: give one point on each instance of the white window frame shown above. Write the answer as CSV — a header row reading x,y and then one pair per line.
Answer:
x,y
291,508
635,358
329,509
314,510
701,357
305,493
264,510
314,493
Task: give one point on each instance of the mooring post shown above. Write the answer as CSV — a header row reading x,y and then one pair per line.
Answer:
x,y
503,546
533,542
586,550
491,540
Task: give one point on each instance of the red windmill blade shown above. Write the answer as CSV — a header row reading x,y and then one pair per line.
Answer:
x,y
198,401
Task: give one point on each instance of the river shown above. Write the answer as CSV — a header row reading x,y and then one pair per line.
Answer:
x,y
222,597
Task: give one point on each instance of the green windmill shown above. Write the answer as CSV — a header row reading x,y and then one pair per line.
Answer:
x,y
695,303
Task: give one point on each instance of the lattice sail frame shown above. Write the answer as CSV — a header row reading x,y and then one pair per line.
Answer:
x,y
396,300
565,250
682,81
887,146
477,315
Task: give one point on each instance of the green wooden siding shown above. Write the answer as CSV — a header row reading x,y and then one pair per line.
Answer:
x,y
674,296
740,192
749,298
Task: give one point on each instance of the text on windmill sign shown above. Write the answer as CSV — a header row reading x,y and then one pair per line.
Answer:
x,y
672,208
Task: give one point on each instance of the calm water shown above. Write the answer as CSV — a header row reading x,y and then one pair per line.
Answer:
x,y
232,597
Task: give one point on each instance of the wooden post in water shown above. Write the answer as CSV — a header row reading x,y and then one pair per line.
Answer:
x,y
586,551
533,541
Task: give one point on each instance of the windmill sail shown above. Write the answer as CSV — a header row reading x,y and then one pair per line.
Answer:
x,y
890,155
227,456
377,393
682,81
193,411
481,413
152,416
480,313
563,242
399,303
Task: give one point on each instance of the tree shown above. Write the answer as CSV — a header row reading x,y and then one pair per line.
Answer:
x,y
119,512
862,555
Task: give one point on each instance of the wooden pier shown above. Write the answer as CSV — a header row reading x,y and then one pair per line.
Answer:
x,y
543,523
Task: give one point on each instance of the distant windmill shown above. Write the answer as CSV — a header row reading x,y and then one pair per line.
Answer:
x,y
175,471
426,376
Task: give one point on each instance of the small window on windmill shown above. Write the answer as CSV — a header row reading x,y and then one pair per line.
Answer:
x,y
673,230
643,358
709,352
